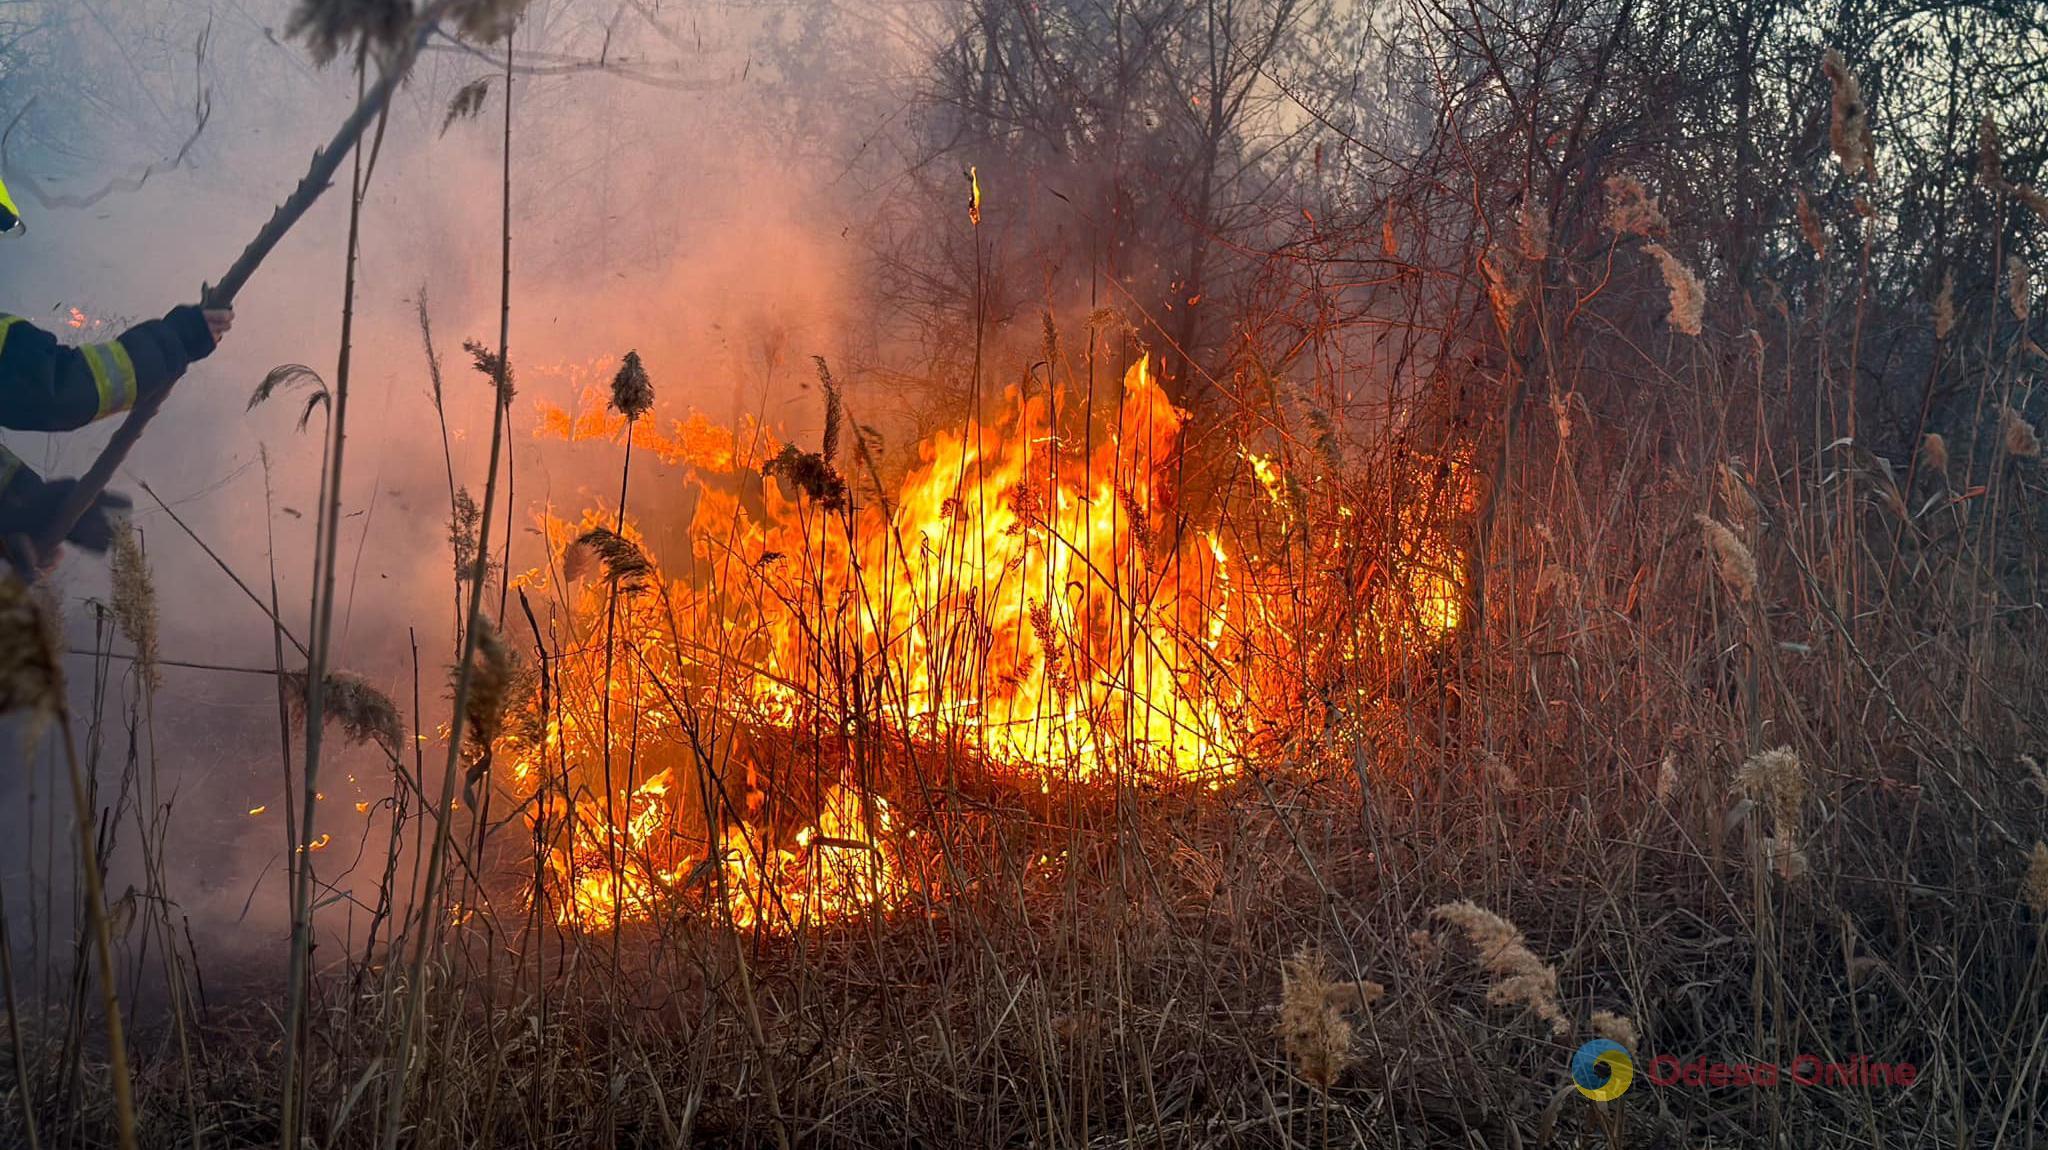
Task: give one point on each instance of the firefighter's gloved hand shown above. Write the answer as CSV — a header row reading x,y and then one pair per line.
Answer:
x,y
199,329
94,530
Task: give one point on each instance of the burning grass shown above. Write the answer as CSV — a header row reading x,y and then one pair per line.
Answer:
x,y
1027,599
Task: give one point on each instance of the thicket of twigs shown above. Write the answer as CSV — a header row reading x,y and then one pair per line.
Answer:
x,y
1735,754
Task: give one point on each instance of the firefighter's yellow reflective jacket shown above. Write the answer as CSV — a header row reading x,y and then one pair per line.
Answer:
x,y
45,386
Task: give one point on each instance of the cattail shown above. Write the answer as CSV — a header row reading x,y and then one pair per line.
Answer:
x,y
1312,1025
134,600
30,678
364,714
1849,121
1809,225
1519,977
1945,305
1736,565
1934,453
1990,164
2039,776
2021,441
1688,296
2036,888
632,391
2018,289
1631,210
1049,345
1615,1028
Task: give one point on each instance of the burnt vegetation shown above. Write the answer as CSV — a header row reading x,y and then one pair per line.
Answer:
x,y
1414,537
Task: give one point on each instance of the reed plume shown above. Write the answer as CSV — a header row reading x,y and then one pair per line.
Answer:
x,y
1810,225
632,391
624,563
1990,161
1312,1026
1733,560
1849,118
2018,436
364,714
1934,453
1615,1028
1777,780
30,677
493,673
1519,977
1688,295
2035,888
134,600
1631,209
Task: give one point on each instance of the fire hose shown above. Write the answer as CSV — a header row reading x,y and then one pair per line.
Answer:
x,y
319,176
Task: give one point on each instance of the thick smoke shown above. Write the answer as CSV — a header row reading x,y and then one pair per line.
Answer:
x,y
663,198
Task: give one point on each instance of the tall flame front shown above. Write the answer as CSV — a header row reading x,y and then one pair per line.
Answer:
x,y
1026,598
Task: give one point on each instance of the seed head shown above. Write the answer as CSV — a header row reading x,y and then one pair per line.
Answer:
x,y
1810,226
1615,1028
1632,210
1736,565
1934,453
1312,1025
1990,164
1849,119
364,714
1945,305
30,678
134,602
632,392
2020,438
1777,780
2036,886
1688,295
1519,977
491,675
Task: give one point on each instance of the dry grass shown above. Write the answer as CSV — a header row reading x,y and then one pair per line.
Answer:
x,y
1730,756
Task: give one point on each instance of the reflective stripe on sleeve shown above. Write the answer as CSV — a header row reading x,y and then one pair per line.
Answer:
x,y
7,323
113,374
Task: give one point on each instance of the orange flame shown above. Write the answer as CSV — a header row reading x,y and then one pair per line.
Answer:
x,y
1028,594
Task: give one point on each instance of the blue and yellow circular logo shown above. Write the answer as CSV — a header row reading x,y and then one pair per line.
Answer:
x,y
1602,1070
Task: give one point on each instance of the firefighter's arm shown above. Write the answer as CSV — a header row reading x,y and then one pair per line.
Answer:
x,y
45,386
27,501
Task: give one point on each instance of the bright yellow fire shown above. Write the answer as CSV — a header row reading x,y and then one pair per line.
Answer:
x,y
1028,595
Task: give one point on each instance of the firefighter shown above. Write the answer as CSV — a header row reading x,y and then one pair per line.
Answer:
x,y
45,386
